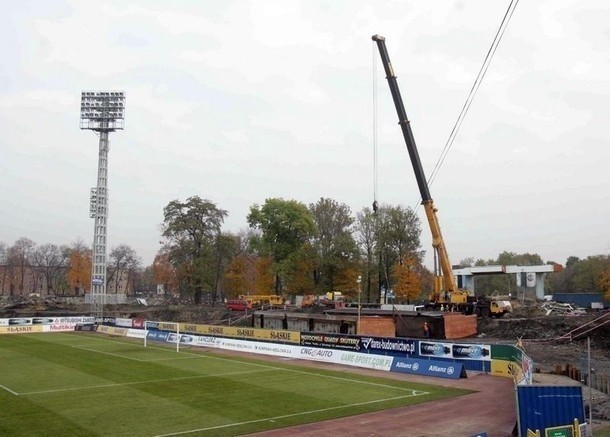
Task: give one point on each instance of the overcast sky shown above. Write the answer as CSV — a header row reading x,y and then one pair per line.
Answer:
x,y
239,101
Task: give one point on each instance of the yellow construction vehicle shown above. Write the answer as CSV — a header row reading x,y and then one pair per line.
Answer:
x,y
258,300
445,293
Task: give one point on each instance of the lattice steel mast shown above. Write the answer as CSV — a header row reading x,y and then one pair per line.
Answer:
x,y
102,112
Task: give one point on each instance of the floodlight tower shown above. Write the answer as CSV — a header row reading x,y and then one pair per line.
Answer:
x,y
102,112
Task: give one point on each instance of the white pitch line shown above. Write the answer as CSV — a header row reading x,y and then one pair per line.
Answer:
x,y
285,416
172,359
107,353
121,384
78,346
9,390
374,384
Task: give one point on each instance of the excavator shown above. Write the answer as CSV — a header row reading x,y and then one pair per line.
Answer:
x,y
445,293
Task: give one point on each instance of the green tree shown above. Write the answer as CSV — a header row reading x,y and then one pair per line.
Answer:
x,y
333,242
143,280
284,226
586,273
398,238
224,252
366,236
488,284
191,230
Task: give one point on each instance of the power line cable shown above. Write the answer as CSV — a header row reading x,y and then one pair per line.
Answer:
x,y
477,83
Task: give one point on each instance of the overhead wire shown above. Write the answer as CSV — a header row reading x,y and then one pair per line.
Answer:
x,y
475,87
375,172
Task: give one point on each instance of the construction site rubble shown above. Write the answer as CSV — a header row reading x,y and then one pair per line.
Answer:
x,y
558,308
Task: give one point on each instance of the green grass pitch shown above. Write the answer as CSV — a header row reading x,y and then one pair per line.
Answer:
x,y
78,384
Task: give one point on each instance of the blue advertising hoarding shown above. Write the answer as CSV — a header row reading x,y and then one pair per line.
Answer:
x,y
437,368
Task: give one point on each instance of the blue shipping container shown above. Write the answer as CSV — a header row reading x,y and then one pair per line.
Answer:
x,y
581,299
540,407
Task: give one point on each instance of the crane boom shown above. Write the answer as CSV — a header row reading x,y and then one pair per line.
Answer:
x,y
446,281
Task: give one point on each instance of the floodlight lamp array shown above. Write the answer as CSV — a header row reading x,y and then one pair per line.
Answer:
x,y
102,110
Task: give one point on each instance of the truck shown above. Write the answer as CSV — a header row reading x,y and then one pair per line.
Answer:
x,y
258,300
445,294
333,299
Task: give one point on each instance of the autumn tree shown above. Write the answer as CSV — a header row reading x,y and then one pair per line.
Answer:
x,y
240,273
79,275
263,284
237,278
407,284
163,272
604,283
346,280
191,230
284,227
300,271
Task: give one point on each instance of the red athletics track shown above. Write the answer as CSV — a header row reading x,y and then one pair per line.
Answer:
x,y
491,409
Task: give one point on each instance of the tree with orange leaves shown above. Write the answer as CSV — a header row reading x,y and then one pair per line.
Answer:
x,y
239,277
604,283
407,281
265,279
79,275
163,272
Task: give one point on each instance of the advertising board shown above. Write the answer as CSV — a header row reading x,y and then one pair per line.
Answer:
x,y
125,323
241,332
331,341
465,351
424,367
388,346
511,362
20,329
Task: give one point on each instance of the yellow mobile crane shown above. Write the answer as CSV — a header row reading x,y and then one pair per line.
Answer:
x,y
445,293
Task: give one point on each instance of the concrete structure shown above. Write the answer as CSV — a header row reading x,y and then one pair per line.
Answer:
x,y
527,276
374,322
